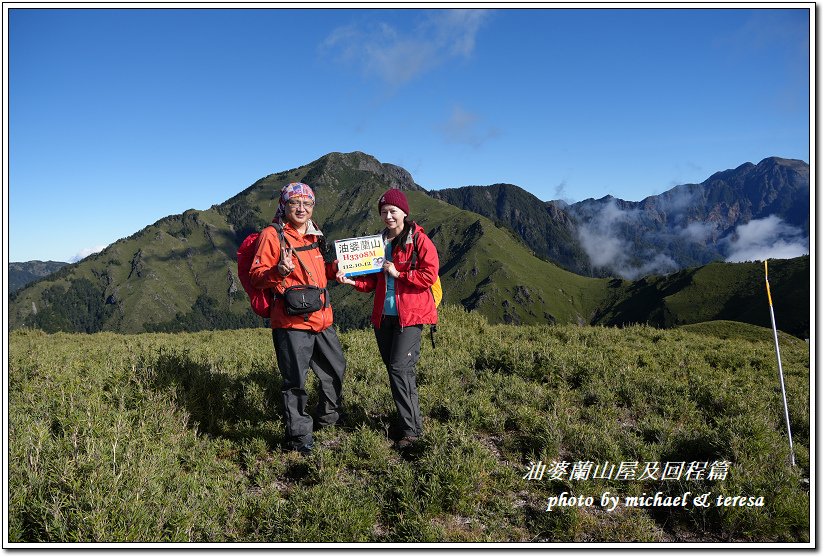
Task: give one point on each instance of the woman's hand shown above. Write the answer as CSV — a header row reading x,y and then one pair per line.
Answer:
x,y
389,267
343,279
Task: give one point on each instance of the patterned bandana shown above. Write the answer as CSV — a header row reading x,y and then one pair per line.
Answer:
x,y
295,189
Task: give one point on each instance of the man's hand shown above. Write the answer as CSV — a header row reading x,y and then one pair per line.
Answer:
x,y
286,265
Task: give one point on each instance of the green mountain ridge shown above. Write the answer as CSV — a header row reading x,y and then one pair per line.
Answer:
x,y
687,226
26,272
180,273
715,292
548,230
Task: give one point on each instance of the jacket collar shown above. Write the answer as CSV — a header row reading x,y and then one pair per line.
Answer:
x,y
412,229
310,228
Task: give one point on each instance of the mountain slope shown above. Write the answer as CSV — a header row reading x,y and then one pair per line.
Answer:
x,y
546,228
687,226
180,272
718,291
694,224
26,272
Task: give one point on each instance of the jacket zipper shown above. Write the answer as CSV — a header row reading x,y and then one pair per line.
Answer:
x,y
309,277
397,294
317,283
398,300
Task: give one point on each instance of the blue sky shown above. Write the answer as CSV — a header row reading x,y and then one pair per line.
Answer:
x,y
120,117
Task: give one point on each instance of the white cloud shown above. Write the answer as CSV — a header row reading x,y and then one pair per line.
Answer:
x,y
767,238
458,29
560,191
661,264
698,232
603,248
85,252
678,199
397,57
466,127
601,240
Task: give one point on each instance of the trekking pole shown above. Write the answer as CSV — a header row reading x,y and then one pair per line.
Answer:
x,y
432,330
780,370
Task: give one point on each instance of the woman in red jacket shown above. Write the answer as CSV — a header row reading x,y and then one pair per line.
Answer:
x,y
403,304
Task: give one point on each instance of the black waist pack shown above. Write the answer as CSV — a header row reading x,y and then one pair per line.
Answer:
x,y
304,299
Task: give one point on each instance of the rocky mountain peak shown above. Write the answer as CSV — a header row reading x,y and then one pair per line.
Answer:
x,y
332,164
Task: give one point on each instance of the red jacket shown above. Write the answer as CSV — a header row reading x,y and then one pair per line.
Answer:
x,y
264,274
415,303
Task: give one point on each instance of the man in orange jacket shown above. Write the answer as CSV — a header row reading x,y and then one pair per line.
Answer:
x,y
301,341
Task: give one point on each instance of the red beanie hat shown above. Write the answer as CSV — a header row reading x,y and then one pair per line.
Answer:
x,y
396,198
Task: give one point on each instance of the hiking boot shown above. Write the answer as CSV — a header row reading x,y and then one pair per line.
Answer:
x,y
302,446
405,442
340,422
305,450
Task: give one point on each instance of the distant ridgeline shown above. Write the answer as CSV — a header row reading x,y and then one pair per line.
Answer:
x,y
23,274
503,253
687,226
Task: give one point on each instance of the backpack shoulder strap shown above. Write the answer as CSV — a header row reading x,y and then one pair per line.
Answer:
x,y
279,229
313,245
283,241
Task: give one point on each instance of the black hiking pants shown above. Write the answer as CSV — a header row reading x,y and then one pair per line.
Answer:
x,y
297,351
400,348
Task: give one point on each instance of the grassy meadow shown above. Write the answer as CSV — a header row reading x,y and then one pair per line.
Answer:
x,y
176,438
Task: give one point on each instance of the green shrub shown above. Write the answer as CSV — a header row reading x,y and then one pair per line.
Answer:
x,y
178,437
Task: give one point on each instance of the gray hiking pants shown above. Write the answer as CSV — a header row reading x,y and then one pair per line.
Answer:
x,y
297,351
400,348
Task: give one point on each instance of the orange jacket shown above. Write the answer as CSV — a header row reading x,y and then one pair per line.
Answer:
x,y
264,274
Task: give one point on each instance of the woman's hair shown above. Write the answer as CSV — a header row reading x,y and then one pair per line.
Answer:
x,y
400,239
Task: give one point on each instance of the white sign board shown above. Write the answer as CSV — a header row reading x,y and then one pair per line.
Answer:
x,y
360,256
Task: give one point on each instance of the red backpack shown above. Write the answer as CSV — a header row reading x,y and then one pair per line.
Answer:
x,y
261,300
